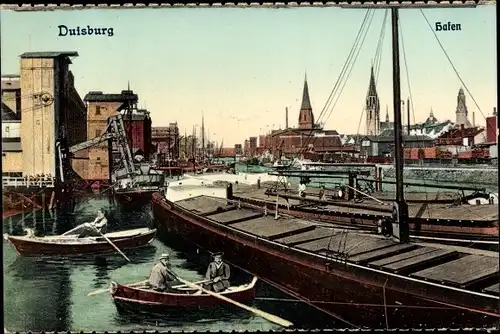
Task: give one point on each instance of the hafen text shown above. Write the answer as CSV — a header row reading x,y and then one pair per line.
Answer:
x,y
448,26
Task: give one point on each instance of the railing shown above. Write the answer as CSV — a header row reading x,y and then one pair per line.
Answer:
x,y
16,182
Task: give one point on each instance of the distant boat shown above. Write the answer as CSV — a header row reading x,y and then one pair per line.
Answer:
x,y
136,190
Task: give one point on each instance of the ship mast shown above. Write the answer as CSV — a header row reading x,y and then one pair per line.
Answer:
x,y
186,156
400,226
202,137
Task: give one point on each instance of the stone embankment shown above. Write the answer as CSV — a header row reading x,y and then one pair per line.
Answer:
x,y
463,175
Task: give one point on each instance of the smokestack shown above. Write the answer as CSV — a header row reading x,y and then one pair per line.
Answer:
x,y
494,111
473,118
408,114
286,119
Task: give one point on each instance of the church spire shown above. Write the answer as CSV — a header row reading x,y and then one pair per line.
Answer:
x,y
372,89
372,108
306,102
306,116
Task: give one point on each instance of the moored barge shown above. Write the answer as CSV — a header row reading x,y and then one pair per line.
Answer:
x,y
362,279
435,222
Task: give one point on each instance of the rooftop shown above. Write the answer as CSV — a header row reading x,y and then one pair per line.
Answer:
x,y
386,139
10,76
137,115
124,96
49,54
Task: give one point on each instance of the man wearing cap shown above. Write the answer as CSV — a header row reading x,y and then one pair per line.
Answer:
x,y
218,272
96,228
162,278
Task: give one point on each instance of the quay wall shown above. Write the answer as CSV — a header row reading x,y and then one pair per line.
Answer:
x,y
464,175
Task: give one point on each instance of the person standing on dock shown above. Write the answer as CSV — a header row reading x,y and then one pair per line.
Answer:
x,y
322,194
96,228
218,272
162,277
302,189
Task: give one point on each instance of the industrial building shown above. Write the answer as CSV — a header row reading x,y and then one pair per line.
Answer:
x,y
100,107
166,139
42,115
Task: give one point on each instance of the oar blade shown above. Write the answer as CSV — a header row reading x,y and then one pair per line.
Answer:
x,y
97,292
270,317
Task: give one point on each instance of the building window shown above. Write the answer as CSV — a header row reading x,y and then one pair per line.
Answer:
x,y
7,129
98,110
97,133
98,161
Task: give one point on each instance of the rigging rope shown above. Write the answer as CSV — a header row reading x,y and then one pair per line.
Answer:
x,y
378,52
305,143
350,70
376,67
406,70
337,84
451,63
356,304
412,105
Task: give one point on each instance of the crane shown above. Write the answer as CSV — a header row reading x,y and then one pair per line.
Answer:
x,y
114,131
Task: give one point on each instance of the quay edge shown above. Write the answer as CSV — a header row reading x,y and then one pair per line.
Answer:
x,y
358,297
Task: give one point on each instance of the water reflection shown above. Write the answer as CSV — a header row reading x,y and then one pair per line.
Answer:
x,y
51,294
37,294
180,317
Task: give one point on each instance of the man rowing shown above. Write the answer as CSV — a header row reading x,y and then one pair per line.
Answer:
x,y
162,278
96,228
218,272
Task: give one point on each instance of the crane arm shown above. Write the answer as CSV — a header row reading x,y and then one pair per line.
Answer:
x,y
92,142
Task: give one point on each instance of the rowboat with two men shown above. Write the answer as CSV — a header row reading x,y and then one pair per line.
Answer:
x,y
142,298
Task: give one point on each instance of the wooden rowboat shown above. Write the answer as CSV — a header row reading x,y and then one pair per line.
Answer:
x,y
71,245
142,299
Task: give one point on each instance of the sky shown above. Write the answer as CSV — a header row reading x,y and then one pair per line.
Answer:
x,y
241,67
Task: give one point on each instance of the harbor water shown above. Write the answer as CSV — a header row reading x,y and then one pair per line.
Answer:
x,y
50,294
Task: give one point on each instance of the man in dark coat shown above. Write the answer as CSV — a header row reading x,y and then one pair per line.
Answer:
x,y
218,272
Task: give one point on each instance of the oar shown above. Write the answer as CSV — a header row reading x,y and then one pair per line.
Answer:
x,y
72,230
112,244
184,285
97,292
260,313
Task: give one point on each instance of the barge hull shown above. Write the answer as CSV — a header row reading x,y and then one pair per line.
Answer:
x,y
359,300
134,198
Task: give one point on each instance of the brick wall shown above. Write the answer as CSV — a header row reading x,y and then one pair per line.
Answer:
x,y
98,114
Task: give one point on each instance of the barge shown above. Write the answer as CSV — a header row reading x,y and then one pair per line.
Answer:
x,y
364,280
